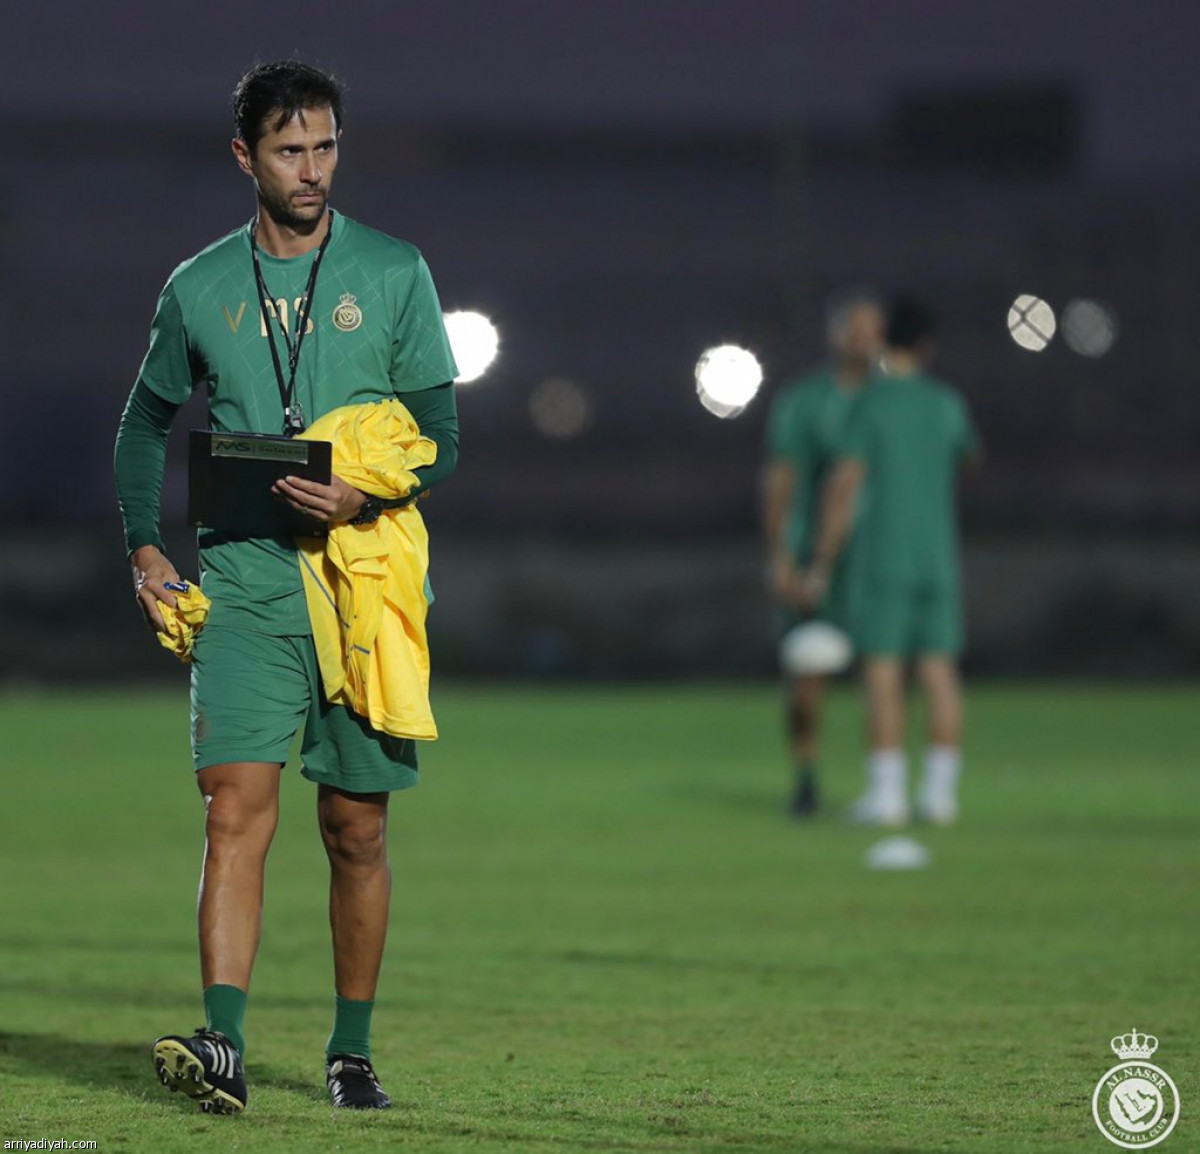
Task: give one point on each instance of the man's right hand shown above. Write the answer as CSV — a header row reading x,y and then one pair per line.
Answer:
x,y
151,572
812,586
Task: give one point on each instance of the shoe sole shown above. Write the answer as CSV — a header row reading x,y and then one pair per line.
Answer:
x,y
181,1071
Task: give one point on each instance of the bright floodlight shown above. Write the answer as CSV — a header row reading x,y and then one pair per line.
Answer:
x,y
1088,328
1031,322
559,407
727,378
474,342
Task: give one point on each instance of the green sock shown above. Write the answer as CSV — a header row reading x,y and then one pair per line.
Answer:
x,y
225,1010
351,1028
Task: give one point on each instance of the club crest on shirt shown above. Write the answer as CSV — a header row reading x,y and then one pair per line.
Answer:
x,y
347,316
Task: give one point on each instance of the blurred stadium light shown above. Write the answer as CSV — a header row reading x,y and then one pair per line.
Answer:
x,y
727,379
560,408
1031,322
475,341
1088,328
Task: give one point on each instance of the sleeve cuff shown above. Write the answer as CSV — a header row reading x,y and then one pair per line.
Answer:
x,y
136,538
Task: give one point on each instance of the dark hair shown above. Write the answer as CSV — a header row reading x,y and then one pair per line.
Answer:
x,y
286,86
909,324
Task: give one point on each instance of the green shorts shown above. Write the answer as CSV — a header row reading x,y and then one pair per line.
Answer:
x,y
252,692
906,622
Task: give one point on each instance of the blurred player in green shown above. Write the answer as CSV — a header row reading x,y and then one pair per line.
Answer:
x,y
901,454
805,426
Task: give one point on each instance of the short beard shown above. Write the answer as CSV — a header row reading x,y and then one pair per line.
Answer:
x,y
280,210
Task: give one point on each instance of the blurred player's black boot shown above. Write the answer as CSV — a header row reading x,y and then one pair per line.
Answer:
x,y
805,801
206,1067
352,1083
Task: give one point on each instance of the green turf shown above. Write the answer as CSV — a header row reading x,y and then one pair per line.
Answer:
x,y
606,936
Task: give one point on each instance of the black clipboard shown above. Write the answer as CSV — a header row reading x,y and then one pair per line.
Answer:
x,y
230,477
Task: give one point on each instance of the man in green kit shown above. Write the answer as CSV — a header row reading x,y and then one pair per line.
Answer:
x,y
898,466
804,428
299,312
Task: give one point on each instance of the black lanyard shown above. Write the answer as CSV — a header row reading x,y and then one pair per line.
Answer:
x,y
293,414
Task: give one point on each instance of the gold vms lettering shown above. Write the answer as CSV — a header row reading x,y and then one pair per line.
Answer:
x,y
279,310
234,322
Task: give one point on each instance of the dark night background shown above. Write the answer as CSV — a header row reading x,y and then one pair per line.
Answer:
x,y
620,186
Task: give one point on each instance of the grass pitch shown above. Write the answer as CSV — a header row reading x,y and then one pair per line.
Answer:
x,y
607,936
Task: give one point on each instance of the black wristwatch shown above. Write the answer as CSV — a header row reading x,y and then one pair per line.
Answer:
x,y
369,513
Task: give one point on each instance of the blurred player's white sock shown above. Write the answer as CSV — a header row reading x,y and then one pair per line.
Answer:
x,y
937,800
886,799
887,773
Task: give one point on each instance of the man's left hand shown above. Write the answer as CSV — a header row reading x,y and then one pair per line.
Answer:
x,y
812,587
330,503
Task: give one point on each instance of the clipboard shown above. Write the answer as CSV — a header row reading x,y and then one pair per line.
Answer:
x,y
230,477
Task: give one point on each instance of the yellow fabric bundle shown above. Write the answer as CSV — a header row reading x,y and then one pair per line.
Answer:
x,y
183,622
365,584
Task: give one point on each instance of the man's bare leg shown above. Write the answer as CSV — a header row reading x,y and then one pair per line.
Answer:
x,y
939,679
241,801
354,830
883,678
886,799
804,716
937,799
